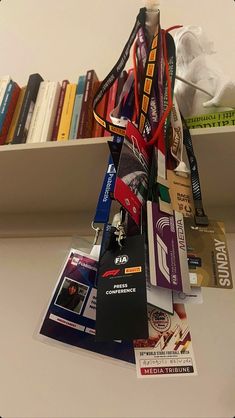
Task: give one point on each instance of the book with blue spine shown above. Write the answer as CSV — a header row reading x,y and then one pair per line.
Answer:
x,y
5,103
7,109
4,81
77,107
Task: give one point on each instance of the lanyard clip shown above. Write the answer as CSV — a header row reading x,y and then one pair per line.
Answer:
x,y
119,228
120,232
97,233
200,216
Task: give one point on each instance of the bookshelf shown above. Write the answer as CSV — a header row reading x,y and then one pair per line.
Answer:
x,y
52,188
51,381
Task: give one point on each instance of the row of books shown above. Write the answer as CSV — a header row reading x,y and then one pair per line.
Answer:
x,y
52,111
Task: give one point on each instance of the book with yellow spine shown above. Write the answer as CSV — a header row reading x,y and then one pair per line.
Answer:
x,y
67,112
15,116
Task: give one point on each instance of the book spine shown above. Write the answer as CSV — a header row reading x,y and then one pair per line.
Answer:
x,y
98,130
5,103
21,132
84,101
35,125
15,116
77,107
86,118
212,120
59,111
4,81
111,103
50,111
95,125
67,111
10,112
42,115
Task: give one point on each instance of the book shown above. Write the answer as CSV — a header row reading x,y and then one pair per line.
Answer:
x,y
111,103
50,111
212,120
77,107
98,130
7,109
38,116
5,102
23,123
59,111
67,110
4,81
86,117
15,116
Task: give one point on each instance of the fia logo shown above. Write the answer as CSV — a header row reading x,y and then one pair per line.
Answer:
x,y
121,259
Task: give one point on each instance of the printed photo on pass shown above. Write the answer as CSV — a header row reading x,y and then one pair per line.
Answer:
x,y
71,295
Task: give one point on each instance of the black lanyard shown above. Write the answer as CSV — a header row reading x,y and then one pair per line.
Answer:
x,y
200,216
114,74
150,72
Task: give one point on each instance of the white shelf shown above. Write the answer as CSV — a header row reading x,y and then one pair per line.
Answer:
x,y
54,176
54,186
215,152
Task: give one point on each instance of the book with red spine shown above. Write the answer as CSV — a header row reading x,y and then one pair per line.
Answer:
x,y
9,112
86,116
111,103
55,129
98,130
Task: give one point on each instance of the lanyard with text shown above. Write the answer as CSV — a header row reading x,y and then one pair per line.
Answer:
x,y
104,202
147,88
148,103
148,83
141,54
177,141
114,74
105,198
200,216
166,76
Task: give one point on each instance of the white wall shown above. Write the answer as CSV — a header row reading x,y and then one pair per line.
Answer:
x,y
40,380
62,39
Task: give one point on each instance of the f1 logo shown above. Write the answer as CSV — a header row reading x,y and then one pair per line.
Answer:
x,y
162,252
111,273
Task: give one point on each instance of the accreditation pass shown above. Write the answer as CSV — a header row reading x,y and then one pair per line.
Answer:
x,y
168,351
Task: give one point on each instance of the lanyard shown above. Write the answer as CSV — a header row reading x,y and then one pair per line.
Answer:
x,y
165,86
147,85
200,216
177,141
149,96
116,126
114,74
115,115
147,88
